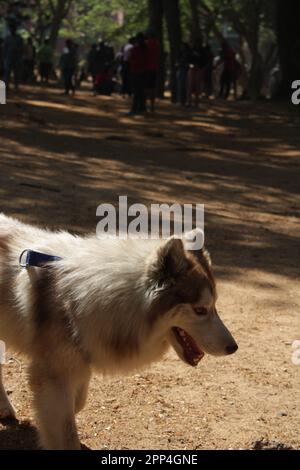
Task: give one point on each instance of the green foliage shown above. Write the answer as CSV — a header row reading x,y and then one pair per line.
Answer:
x,y
248,18
91,20
111,20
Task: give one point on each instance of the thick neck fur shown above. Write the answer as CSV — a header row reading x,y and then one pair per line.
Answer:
x,y
101,287
105,284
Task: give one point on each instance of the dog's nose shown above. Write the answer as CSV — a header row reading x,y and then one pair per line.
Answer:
x,y
231,348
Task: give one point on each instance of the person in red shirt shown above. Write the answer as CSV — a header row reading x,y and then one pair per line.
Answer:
x,y
137,62
152,68
229,70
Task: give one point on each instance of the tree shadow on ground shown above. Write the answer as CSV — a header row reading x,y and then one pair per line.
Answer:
x,y
17,435
60,159
21,435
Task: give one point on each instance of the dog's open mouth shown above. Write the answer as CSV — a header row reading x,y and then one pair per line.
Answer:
x,y
192,353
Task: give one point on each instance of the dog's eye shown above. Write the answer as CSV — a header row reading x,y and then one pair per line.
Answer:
x,y
200,311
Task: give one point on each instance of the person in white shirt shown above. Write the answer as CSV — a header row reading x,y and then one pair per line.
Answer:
x,y
125,68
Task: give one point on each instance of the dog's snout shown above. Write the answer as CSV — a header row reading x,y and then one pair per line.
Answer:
x,y
231,348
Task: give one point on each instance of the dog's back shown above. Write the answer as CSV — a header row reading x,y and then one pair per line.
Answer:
x,y
103,277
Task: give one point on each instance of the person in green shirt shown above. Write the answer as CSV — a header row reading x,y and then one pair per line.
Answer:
x,y
45,60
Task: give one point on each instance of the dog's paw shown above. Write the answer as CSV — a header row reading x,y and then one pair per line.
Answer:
x,y
7,411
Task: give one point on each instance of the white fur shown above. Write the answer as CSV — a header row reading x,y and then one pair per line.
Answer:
x,y
105,287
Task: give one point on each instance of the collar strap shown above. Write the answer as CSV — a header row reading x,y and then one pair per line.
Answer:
x,y
34,258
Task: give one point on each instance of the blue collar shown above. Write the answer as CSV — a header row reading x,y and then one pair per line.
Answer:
x,y
34,258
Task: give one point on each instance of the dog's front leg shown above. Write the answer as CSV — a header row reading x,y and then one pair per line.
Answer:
x,y
54,405
82,390
6,408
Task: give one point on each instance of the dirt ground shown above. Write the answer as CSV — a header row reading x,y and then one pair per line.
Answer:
x,y
61,157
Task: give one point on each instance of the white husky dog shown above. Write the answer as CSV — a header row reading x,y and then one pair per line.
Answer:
x,y
106,305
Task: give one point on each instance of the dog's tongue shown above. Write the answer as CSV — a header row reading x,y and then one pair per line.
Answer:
x,y
192,353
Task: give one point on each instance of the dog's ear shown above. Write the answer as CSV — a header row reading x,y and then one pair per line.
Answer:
x,y
175,276
172,258
194,243
171,262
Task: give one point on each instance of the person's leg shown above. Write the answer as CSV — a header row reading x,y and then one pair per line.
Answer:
x,y
25,77
234,83
141,107
125,79
134,103
69,77
139,93
72,80
7,73
31,71
201,81
47,72
222,84
197,86
66,80
227,85
209,82
181,91
151,95
190,86
152,91
143,93
41,72
17,71
184,85
129,81
69,81
178,86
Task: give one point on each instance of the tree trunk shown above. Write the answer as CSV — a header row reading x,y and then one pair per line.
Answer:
x,y
288,26
195,21
255,76
156,25
172,13
60,10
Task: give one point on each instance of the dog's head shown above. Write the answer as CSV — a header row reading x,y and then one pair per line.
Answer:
x,y
185,298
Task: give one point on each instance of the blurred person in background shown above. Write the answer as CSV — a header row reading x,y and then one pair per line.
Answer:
x,y
45,61
196,72
1,58
92,67
125,68
152,68
182,73
208,71
228,76
138,63
29,61
13,47
101,57
68,66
